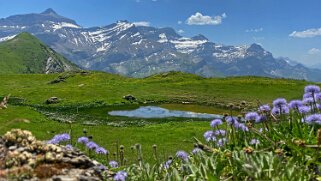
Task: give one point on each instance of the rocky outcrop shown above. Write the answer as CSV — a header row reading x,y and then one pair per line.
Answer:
x,y
22,157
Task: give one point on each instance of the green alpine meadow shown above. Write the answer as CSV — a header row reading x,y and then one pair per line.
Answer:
x,y
143,90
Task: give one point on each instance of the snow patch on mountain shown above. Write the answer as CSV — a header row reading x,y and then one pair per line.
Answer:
x,y
7,38
187,45
57,26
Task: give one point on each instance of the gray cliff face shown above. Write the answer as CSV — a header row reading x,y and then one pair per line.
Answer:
x,y
138,51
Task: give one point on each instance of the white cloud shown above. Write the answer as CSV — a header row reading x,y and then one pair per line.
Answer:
x,y
314,51
141,23
309,33
180,31
179,22
200,19
255,30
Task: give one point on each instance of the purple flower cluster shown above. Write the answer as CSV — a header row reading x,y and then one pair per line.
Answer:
x,y
196,151
59,138
182,155
120,176
92,145
304,109
280,110
314,119
221,142
265,108
101,151
83,140
113,164
252,116
216,122
209,136
220,132
167,164
279,102
69,147
312,89
295,104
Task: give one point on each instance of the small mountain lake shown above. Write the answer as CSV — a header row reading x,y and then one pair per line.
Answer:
x,y
159,112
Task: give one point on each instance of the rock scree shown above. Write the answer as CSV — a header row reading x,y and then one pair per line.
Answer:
x,y
22,157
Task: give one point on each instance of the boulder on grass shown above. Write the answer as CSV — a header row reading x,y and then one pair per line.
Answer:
x,y
129,97
53,100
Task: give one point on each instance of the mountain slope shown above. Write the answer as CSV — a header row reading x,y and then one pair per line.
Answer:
x,y
140,51
26,54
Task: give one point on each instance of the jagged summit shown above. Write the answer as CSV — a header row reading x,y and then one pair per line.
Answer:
x,y
49,11
199,37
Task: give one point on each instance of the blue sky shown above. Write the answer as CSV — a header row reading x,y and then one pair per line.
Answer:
x,y
290,28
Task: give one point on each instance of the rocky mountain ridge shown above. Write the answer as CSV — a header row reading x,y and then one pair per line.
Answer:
x,y
140,51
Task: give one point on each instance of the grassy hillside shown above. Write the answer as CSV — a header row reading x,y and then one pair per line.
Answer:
x,y
87,97
172,87
26,54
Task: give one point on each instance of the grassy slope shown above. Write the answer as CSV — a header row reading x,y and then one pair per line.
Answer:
x,y
176,86
169,136
25,54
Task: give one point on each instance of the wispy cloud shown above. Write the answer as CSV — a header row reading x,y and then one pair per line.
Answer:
x,y
142,23
314,51
179,22
200,19
309,33
180,31
255,30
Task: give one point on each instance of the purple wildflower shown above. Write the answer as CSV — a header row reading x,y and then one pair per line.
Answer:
x,y
102,167
221,142
307,95
264,108
308,100
254,142
314,119
92,145
284,110
120,176
220,132
113,164
312,89
167,164
196,150
69,147
295,104
304,109
261,118
216,122
101,150
232,121
209,136
280,102
317,96
83,140
252,116
59,138
182,155
243,127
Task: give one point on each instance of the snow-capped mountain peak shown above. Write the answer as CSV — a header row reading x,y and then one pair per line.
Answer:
x,y
139,51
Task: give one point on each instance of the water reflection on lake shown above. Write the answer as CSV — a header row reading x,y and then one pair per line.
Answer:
x,y
158,112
